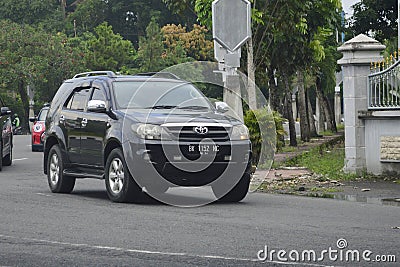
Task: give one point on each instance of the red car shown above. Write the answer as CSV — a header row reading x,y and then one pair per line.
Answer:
x,y
38,129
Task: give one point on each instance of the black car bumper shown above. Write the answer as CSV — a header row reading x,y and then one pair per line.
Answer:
x,y
189,164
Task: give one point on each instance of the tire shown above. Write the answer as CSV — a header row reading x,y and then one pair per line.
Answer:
x,y
236,194
7,160
58,182
120,185
1,156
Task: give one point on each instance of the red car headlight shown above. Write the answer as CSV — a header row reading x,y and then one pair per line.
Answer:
x,y
38,127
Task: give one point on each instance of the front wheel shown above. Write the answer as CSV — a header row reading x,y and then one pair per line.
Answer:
x,y
236,194
58,182
7,160
120,185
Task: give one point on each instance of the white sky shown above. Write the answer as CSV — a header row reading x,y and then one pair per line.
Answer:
x,y
347,6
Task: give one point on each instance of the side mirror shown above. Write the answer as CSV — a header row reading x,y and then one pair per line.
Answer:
x,y
221,107
33,119
5,111
98,106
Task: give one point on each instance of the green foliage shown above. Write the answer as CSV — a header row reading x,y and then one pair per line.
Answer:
x,y
88,15
327,160
106,50
31,56
46,13
266,131
376,17
151,49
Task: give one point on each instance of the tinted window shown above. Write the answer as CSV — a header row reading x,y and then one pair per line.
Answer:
x,y
98,95
42,115
148,94
78,100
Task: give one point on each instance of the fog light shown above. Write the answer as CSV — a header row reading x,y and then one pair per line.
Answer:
x,y
177,158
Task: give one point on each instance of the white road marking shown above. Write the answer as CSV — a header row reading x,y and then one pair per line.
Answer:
x,y
20,159
139,251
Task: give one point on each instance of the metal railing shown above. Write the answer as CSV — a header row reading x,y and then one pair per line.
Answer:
x,y
384,87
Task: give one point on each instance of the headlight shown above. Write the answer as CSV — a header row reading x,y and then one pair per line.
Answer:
x,y
38,127
147,131
240,132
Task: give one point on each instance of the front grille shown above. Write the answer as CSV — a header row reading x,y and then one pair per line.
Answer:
x,y
188,133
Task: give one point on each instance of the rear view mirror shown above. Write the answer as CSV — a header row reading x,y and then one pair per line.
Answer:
x,y
96,106
221,107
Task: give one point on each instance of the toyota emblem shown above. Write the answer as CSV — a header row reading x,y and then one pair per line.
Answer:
x,y
201,129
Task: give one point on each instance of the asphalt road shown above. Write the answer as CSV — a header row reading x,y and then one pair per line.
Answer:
x,y
38,228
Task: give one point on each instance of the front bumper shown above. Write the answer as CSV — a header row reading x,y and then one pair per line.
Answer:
x,y
188,163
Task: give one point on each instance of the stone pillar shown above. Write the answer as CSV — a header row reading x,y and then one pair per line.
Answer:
x,y
358,53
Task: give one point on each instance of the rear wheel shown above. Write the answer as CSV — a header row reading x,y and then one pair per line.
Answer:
x,y
120,185
58,182
236,194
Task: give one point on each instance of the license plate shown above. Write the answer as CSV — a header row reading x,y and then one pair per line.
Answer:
x,y
203,149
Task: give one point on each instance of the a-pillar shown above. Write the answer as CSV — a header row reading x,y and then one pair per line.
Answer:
x,y
358,53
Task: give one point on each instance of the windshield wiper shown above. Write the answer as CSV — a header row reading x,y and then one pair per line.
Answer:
x,y
161,107
194,107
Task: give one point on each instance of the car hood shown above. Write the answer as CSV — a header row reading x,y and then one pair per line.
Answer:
x,y
159,117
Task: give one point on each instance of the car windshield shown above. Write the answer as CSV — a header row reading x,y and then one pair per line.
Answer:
x,y
42,115
159,95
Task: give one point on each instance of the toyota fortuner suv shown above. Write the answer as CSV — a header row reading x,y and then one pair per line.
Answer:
x,y
143,135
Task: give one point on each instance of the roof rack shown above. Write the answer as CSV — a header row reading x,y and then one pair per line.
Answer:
x,y
166,75
107,73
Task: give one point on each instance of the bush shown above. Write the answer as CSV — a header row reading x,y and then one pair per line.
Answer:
x,y
269,137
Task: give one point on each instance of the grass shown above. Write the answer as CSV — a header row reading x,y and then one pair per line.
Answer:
x,y
327,160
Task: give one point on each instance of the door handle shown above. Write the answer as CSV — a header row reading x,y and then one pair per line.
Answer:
x,y
84,122
62,119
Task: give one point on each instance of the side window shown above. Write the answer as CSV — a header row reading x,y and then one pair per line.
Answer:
x,y
98,95
77,101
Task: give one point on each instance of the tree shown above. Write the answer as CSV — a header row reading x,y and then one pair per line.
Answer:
x,y
46,13
106,50
31,56
376,17
194,42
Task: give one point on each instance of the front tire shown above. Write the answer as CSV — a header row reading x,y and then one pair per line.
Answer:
x,y
120,185
7,160
58,182
236,194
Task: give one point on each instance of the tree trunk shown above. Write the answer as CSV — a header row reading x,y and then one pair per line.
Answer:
x,y
25,102
329,116
302,109
289,112
311,120
251,85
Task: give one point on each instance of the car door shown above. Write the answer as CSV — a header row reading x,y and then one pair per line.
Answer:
x,y
93,131
71,120
6,134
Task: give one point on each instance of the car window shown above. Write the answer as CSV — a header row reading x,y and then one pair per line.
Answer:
x,y
98,95
149,94
42,115
78,100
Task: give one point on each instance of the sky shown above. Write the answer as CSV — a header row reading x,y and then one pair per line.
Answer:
x,y
347,6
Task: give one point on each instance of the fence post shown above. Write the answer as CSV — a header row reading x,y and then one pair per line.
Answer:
x,y
358,53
